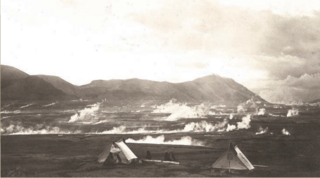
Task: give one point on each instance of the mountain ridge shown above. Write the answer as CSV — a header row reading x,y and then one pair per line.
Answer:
x,y
208,88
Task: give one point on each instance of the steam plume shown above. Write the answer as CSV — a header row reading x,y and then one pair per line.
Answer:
x,y
262,112
85,114
99,122
7,112
275,115
7,105
261,130
285,132
240,109
27,105
51,104
182,110
292,112
123,130
187,140
245,124
38,129
231,128
204,126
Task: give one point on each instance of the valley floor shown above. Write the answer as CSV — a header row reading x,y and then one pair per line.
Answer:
x,y
65,154
76,156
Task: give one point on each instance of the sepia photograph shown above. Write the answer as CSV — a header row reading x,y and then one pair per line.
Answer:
x,y
160,88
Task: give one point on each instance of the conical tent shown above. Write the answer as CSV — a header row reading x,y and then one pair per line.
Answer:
x,y
126,154
233,158
109,152
115,153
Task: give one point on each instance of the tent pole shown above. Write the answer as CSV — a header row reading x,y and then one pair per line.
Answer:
x,y
229,166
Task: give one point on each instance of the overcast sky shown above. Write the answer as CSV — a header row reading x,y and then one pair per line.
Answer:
x,y
253,42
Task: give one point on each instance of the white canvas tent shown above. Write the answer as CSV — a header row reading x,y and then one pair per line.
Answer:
x,y
233,159
117,152
125,151
109,150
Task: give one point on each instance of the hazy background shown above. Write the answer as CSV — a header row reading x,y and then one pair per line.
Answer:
x,y
271,47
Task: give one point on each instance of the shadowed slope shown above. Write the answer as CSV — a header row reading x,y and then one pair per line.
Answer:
x,y
10,75
60,84
31,88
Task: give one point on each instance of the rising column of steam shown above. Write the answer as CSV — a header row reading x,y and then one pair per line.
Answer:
x,y
293,112
87,114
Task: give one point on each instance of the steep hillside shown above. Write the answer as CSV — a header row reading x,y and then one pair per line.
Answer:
x,y
32,88
215,88
60,84
10,75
